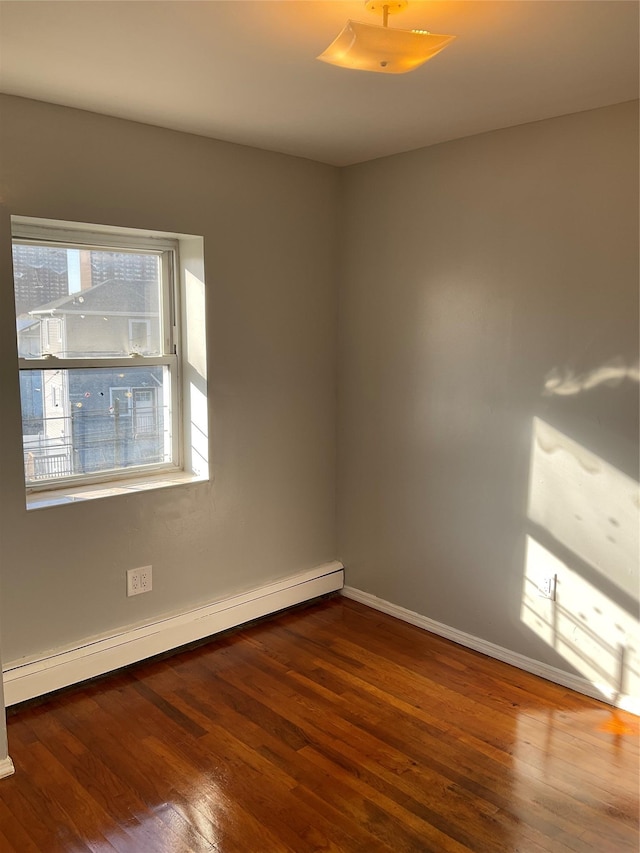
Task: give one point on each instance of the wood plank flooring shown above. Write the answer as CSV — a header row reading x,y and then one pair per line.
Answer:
x,y
327,728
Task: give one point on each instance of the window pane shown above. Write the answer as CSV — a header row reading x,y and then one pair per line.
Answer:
x,y
83,302
88,421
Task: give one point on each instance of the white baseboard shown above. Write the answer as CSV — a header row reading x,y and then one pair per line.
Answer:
x,y
28,679
6,767
550,673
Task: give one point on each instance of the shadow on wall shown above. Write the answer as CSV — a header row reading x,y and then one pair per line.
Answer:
x,y
583,539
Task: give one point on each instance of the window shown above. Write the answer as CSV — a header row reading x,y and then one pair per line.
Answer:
x,y
51,334
144,411
139,335
97,317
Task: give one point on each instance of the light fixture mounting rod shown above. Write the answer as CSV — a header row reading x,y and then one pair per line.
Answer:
x,y
386,7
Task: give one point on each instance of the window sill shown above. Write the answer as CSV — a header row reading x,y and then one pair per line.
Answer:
x,y
57,497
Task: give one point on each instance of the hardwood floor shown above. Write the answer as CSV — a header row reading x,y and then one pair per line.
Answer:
x,y
328,728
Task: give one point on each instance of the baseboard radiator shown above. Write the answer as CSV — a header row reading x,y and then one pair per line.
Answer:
x,y
28,679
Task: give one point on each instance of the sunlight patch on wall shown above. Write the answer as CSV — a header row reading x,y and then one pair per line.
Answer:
x,y
196,405
587,515
567,383
194,312
199,443
598,637
586,504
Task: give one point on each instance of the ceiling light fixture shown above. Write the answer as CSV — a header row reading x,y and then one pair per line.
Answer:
x,y
369,47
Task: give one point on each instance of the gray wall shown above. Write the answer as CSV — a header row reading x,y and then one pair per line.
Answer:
x,y
484,283
268,227
487,282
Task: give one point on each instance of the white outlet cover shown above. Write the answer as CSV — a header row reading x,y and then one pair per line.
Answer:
x,y
139,580
547,587
146,579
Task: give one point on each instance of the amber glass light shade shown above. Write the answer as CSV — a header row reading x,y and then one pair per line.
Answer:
x,y
390,51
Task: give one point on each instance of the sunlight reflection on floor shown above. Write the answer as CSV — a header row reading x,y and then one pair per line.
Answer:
x,y
551,751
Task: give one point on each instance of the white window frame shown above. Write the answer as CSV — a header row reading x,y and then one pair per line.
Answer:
x,y
25,231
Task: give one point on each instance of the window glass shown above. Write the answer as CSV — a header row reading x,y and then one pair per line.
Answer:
x,y
79,303
98,420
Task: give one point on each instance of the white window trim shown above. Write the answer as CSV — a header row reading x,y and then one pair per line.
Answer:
x,y
28,229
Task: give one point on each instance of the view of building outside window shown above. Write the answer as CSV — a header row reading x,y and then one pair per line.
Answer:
x,y
75,303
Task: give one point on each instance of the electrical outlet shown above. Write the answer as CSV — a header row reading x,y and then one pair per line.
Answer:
x,y
139,580
547,587
145,579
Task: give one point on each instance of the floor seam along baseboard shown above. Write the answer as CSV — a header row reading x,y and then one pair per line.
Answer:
x,y
602,692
